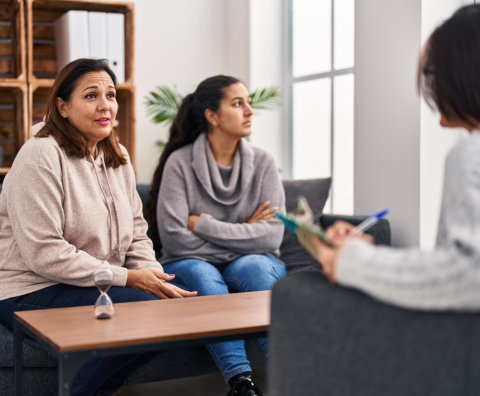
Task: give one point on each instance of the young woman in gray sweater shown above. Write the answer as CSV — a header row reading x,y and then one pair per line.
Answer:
x,y
211,207
447,277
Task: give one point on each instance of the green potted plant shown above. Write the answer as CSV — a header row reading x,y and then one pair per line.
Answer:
x,y
162,103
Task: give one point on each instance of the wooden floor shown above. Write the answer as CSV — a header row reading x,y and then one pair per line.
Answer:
x,y
208,385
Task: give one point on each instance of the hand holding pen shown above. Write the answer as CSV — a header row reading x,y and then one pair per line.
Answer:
x,y
369,222
341,231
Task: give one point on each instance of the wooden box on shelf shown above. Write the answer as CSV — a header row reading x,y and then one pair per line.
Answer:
x,y
13,122
41,15
42,62
12,44
13,83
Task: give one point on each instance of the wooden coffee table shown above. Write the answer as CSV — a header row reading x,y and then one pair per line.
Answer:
x,y
75,336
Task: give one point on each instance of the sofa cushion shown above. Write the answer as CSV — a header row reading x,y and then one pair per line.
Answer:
x,y
33,354
316,191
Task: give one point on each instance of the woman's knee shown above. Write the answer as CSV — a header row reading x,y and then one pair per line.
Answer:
x,y
193,268
253,272
260,264
198,275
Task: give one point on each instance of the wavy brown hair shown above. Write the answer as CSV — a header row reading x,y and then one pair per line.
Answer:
x,y
61,129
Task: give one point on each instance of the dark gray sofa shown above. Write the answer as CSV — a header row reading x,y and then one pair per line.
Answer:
x,y
40,373
331,340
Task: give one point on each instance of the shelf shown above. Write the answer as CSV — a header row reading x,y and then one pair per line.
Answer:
x,y
13,121
126,120
12,40
41,15
28,68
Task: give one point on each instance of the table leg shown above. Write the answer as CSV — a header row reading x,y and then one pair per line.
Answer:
x,y
68,366
18,365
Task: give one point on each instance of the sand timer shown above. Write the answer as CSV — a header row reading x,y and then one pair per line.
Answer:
x,y
103,278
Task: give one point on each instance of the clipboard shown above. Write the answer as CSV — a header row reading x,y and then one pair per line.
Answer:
x,y
291,224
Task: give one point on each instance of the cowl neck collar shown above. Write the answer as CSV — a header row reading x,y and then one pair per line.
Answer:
x,y
208,174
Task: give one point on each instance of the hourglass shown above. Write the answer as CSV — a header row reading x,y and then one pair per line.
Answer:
x,y
103,278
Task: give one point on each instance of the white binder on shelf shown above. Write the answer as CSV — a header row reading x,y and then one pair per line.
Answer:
x,y
97,34
115,44
71,37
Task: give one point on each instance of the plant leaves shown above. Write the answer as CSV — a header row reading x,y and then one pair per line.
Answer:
x,y
267,98
162,104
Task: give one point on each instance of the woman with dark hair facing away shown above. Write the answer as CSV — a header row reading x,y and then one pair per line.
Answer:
x,y
447,277
69,207
211,207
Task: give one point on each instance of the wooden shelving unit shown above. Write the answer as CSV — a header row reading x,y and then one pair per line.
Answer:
x,y
28,68
13,80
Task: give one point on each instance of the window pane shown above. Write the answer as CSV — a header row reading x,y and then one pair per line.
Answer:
x,y
311,129
311,36
344,33
342,186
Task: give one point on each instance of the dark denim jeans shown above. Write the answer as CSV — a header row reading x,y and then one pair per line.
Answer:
x,y
99,376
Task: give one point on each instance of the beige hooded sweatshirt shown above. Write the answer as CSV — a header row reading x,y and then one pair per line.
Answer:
x,y
62,217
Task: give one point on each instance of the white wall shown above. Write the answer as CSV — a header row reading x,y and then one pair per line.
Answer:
x,y
266,69
399,147
177,43
435,141
387,114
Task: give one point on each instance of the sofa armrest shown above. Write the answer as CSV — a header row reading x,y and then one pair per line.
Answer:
x,y
330,340
380,231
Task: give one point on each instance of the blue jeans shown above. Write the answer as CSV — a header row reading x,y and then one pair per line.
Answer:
x,y
252,272
99,376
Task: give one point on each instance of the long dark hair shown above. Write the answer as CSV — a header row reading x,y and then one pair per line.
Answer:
x,y
188,124
448,74
61,129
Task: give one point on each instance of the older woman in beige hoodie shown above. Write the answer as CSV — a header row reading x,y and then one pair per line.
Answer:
x,y
68,207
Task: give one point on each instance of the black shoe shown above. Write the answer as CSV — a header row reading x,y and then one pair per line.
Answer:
x,y
243,385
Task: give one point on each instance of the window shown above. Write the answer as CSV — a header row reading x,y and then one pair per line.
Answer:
x,y
320,81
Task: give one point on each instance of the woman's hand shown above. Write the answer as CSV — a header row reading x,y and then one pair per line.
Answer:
x,y
339,234
320,251
341,231
153,281
192,221
263,212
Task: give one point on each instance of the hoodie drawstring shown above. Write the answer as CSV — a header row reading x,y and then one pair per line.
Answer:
x,y
108,205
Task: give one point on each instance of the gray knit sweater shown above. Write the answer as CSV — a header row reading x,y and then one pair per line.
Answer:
x,y
193,184
447,277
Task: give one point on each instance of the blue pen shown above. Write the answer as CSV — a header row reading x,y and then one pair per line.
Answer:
x,y
369,221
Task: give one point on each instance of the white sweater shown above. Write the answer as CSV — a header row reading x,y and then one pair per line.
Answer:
x,y
61,217
447,277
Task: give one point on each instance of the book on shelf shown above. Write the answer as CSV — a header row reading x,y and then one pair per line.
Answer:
x,y
97,34
115,44
71,37
88,34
